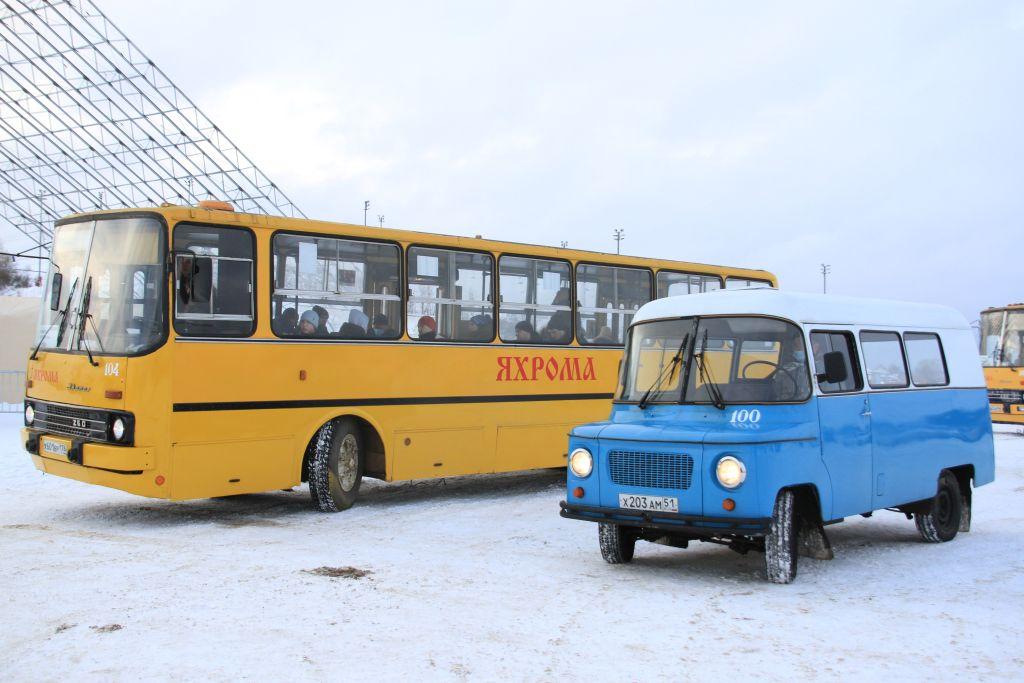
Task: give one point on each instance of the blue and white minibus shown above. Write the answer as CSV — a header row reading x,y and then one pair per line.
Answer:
x,y
755,418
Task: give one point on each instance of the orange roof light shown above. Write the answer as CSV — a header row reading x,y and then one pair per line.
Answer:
x,y
215,205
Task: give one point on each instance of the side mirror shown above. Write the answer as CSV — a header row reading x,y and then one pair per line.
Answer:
x,y
202,279
55,287
185,266
835,368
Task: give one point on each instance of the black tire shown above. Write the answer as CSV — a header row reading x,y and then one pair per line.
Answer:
x,y
336,465
780,545
617,543
942,520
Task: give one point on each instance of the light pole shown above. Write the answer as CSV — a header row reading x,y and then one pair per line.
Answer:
x,y
564,244
380,217
620,235
366,207
825,270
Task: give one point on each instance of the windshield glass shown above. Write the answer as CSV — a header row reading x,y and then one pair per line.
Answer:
x,y
727,360
111,287
1002,338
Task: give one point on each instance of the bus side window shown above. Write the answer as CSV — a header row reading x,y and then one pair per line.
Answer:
x,y
534,296
745,283
227,309
883,358
826,342
674,284
346,289
927,362
450,295
607,299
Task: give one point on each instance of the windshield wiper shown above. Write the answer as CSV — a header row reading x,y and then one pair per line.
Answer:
x,y
62,317
83,313
705,375
673,364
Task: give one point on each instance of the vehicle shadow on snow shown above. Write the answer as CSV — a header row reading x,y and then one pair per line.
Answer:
x,y
275,508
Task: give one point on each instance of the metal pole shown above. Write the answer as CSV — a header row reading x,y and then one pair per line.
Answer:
x,y
366,207
380,217
825,270
620,235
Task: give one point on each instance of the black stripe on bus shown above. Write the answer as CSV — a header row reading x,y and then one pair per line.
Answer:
x,y
352,402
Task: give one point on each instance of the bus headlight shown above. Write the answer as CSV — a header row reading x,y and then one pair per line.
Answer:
x,y
30,414
730,472
117,429
581,462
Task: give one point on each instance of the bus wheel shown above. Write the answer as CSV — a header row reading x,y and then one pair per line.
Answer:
x,y
942,520
617,543
336,468
780,545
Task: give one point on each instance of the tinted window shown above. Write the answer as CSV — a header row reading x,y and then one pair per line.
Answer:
x,y
226,310
883,359
675,284
927,365
842,342
745,283
345,289
534,301
450,295
607,299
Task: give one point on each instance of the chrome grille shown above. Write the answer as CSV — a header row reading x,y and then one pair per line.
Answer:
x,y
1005,396
85,423
651,470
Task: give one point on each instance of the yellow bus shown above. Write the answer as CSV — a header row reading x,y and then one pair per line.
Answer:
x,y
193,352
1002,351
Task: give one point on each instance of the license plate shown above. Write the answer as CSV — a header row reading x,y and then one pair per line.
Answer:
x,y
53,447
648,503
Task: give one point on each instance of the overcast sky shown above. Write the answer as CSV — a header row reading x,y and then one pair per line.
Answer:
x,y
883,138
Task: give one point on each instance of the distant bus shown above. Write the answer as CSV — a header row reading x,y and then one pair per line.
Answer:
x,y
197,352
1002,351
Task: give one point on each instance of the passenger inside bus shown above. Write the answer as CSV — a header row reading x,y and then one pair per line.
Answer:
x,y
559,327
479,328
286,322
381,326
322,316
525,333
308,323
427,328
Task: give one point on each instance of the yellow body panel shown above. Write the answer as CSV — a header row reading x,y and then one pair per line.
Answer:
x,y
233,416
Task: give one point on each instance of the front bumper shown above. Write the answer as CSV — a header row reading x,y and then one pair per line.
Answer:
x,y
84,453
692,525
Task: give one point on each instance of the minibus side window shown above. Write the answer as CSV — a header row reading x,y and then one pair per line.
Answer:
x,y
827,342
330,288
607,298
534,301
883,358
226,310
675,284
927,362
450,295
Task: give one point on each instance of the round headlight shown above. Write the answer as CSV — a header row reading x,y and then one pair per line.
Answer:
x,y
731,472
581,462
30,414
118,428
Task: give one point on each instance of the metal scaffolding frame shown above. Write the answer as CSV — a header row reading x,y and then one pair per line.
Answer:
x,y
88,122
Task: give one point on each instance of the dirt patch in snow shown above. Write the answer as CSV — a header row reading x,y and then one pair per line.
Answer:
x,y
340,572
109,628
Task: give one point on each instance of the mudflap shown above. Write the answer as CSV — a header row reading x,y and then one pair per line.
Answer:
x,y
812,541
965,510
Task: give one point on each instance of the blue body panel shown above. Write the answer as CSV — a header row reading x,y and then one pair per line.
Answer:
x,y
858,452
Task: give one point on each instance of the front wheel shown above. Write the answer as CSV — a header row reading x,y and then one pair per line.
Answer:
x,y
780,545
942,520
617,543
336,466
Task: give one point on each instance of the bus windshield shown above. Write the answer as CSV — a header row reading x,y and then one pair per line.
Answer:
x,y
721,360
1002,338
111,287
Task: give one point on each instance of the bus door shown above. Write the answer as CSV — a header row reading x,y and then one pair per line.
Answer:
x,y
844,417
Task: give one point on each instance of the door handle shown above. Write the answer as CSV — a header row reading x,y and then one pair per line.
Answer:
x,y
867,409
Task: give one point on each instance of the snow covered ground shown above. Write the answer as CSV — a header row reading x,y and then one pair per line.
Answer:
x,y
479,578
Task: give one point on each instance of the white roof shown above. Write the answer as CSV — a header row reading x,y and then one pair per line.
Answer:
x,y
821,309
